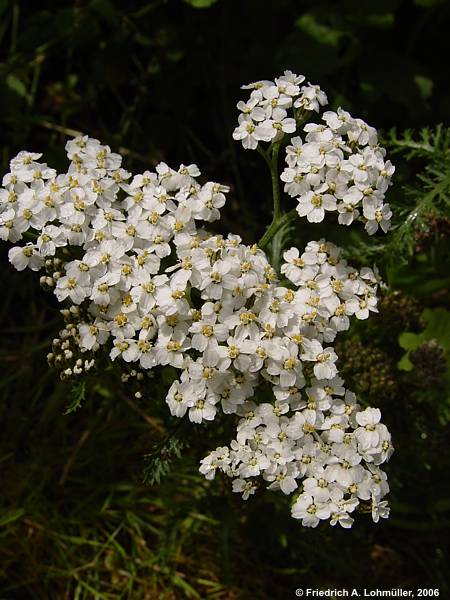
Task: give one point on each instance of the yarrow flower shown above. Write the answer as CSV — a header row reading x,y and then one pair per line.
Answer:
x,y
333,166
150,286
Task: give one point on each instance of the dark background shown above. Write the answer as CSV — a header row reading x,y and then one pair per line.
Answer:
x,y
159,81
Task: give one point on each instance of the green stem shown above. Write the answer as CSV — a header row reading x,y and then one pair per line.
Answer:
x,y
272,163
275,226
275,182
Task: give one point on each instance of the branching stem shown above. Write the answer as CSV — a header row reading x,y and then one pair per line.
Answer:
x,y
278,218
274,227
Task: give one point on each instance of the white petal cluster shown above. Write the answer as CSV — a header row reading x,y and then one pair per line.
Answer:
x,y
313,442
265,116
314,435
152,288
333,166
339,167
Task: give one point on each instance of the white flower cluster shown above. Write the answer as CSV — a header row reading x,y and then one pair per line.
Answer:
x,y
337,167
264,117
326,443
154,289
314,432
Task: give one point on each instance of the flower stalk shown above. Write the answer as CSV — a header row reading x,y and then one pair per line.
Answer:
x,y
278,218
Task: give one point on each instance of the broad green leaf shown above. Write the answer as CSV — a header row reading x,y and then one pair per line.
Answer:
x,y
409,341
404,364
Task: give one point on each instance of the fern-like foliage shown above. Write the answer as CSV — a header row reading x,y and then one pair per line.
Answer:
x,y
159,462
427,142
77,396
429,196
426,155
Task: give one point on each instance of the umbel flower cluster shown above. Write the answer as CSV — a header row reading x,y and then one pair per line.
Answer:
x,y
337,166
129,257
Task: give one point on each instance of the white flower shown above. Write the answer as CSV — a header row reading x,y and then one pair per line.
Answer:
x,y
248,488
368,433
24,257
209,200
361,307
299,269
310,512
218,458
206,330
218,280
296,183
312,97
313,205
248,134
377,215
321,486
273,129
50,238
325,367
379,510
340,512
180,397
253,463
169,351
340,121
294,152
237,352
283,478
287,366
172,296
8,231
203,409
92,335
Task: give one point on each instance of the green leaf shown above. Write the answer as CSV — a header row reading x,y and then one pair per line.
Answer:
x,y
184,585
323,34
438,328
425,85
381,21
200,3
102,391
11,516
17,86
160,460
78,395
404,364
410,341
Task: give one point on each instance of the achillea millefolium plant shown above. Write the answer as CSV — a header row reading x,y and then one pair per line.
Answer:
x,y
145,285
